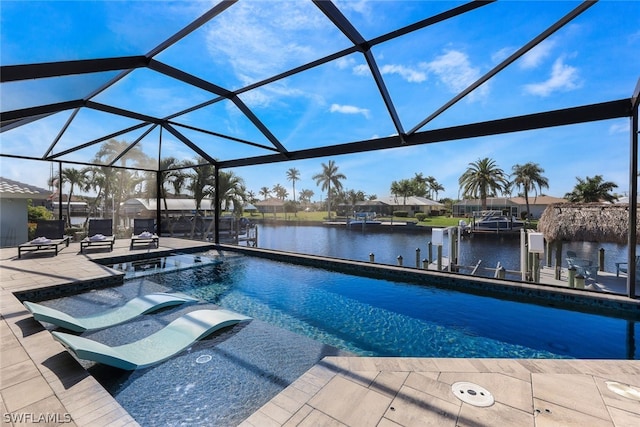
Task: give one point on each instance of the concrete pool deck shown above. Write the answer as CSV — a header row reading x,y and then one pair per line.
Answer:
x,y
40,381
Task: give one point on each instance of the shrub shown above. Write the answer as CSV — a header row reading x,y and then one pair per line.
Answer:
x,y
38,212
290,206
401,214
70,231
421,216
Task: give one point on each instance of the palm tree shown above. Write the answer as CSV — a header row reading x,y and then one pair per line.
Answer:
x,y
113,148
306,195
420,185
280,192
592,190
201,181
482,179
232,190
176,178
94,181
354,197
293,175
431,183
201,185
404,188
121,182
264,192
436,187
328,176
529,177
73,177
171,175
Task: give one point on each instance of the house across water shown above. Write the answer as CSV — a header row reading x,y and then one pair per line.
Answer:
x,y
509,206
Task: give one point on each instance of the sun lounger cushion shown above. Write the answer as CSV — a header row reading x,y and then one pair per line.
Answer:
x,y
144,238
170,340
100,234
135,307
143,232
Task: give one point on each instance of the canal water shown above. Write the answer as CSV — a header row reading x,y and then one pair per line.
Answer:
x,y
340,242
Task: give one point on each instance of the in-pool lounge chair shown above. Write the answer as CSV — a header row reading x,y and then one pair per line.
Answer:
x,y
144,232
49,236
100,234
170,340
135,307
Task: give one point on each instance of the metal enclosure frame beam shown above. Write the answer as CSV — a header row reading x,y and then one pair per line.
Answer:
x,y
633,194
568,116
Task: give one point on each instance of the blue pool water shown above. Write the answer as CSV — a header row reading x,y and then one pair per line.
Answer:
x,y
380,318
301,314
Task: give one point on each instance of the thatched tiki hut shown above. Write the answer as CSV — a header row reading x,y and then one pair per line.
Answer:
x,y
591,222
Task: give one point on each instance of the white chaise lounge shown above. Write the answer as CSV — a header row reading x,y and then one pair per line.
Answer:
x,y
135,307
170,340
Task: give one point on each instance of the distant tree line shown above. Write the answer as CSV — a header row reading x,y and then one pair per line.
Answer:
x,y
196,178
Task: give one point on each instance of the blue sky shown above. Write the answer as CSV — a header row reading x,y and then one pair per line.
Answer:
x,y
592,59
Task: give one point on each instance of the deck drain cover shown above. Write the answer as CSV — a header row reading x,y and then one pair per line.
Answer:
x,y
623,390
473,394
203,359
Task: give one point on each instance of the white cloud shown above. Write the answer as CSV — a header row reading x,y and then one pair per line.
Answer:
x,y
359,6
502,54
454,69
361,70
535,56
345,62
410,75
619,128
563,78
349,109
259,39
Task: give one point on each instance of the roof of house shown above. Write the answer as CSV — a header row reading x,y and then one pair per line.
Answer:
x,y
538,200
491,201
512,201
408,201
172,204
19,190
269,202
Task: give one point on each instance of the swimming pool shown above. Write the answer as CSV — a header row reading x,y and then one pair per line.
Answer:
x,y
301,314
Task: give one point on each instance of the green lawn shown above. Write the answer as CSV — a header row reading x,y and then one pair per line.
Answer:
x,y
436,221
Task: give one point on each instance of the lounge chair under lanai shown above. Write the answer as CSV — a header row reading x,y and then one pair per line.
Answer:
x,y
170,340
144,232
133,308
49,236
100,234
